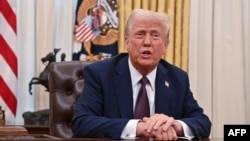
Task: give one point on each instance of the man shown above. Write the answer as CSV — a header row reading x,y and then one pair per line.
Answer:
x,y
108,107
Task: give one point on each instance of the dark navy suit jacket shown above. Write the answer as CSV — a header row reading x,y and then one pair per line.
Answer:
x,y
106,104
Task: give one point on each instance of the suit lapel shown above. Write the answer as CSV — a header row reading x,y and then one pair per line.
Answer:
x,y
163,91
123,89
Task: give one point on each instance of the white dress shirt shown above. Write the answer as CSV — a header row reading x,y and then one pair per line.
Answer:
x,y
129,132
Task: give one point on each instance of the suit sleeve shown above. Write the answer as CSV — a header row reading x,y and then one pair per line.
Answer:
x,y
90,119
194,115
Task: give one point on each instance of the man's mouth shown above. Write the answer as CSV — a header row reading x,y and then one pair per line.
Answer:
x,y
146,54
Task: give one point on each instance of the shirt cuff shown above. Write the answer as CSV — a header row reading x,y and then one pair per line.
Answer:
x,y
129,131
188,133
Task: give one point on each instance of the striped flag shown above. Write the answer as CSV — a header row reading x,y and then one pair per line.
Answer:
x,y
84,31
8,59
96,29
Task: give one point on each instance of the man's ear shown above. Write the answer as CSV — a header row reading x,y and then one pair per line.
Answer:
x,y
126,42
126,39
165,50
166,47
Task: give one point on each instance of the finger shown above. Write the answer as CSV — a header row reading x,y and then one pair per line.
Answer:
x,y
150,123
170,134
158,134
159,123
162,119
145,119
175,137
165,135
155,122
169,123
148,135
173,134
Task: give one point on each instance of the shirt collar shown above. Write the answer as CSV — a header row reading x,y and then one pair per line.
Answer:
x,y
136,75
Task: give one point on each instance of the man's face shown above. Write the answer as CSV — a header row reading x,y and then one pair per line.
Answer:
x,y
146,43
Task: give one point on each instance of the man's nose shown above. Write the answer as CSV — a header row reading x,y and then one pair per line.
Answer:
x,y
147,41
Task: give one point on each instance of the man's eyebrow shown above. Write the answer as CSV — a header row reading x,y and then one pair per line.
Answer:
x,y
140,31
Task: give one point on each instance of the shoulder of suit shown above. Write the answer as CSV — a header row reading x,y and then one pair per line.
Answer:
x,y
170,67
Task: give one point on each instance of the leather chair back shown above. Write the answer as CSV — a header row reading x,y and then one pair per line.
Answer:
x,y
65,86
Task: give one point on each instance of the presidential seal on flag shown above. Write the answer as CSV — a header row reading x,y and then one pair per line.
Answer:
x,y
97,25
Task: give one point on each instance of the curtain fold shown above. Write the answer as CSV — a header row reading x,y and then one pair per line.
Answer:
x,y
178,11
219,60
26,57
228,71
246,50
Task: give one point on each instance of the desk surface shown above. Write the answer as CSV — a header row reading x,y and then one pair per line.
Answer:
x,y
51,138
12,130
103,139
20,133
37,129
29,137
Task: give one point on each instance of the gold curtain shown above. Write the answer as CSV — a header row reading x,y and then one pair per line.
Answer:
x,y
178,10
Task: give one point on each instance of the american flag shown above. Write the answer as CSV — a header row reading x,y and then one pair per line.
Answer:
x,y
84,31
8,59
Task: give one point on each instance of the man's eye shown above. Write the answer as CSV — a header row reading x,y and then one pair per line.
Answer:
x,y
156,36
139,35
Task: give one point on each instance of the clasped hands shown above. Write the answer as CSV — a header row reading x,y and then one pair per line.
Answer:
x,y
159,127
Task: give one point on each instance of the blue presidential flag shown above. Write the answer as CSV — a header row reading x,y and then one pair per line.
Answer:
x,y
96,30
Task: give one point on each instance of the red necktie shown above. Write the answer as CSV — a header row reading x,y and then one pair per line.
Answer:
x,y
142,104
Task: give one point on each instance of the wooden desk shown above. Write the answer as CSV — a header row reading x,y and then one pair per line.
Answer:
x,y
35,137
105,139
12,130
29,137
50,138
37,129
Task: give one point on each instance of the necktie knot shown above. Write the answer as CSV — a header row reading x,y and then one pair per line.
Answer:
x,y
144,81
